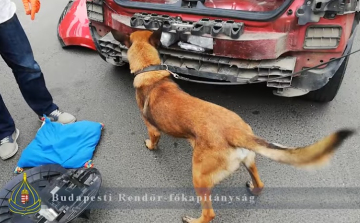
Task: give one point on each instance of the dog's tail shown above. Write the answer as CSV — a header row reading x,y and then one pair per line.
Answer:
x,y
313,155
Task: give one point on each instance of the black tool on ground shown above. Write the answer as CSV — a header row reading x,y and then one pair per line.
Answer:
x,y
53,182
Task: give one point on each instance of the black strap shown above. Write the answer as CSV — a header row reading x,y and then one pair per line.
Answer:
x,y
151,68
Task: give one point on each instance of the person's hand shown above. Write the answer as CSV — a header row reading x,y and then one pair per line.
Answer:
x,y
31,7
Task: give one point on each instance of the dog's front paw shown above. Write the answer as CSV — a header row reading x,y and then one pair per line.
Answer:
x,y
149,144
188,219
254,191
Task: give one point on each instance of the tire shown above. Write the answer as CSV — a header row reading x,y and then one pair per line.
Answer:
x,y
330,90
39,177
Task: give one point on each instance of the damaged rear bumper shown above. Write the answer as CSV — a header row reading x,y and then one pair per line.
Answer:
x,y
219,69
225,70
237,57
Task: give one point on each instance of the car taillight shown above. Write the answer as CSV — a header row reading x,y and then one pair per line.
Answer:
x,y
322,37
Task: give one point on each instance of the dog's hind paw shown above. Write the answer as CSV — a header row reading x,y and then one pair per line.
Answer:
x,y
188,219
149,145
252,190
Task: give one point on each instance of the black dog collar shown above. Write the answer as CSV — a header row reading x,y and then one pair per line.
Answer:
x,y
152,68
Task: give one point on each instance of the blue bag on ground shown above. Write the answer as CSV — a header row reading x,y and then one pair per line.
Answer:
x,y
70,145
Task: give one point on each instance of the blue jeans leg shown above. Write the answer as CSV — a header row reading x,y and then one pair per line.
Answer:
x,y
7,126
16,51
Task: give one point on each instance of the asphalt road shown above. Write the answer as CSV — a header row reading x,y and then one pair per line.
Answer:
x,y
84,85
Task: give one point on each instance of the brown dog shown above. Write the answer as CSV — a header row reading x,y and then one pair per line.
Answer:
x,y
221,140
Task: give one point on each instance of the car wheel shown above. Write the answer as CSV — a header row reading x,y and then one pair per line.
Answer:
x,y
330,90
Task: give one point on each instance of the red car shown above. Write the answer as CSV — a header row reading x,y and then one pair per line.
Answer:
x,y
239,42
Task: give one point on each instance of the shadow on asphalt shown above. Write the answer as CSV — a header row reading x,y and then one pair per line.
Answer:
x,y
233,97
237,98
80,50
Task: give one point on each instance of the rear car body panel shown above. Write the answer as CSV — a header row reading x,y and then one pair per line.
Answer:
x,y
73,27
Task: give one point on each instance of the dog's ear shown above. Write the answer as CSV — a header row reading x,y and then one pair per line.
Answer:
x,y
156,37
121,37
